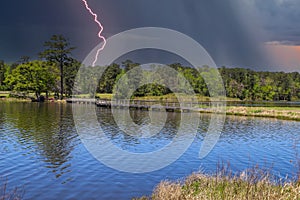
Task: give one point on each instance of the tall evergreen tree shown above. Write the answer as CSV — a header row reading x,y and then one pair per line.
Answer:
x,y
58,51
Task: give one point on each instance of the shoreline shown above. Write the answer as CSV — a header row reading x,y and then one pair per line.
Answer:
x,y
283,113
20,100
249,184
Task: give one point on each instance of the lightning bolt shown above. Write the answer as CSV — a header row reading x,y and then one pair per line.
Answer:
x,y
100,32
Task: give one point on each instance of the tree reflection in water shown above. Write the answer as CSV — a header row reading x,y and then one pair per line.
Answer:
x,y
44,129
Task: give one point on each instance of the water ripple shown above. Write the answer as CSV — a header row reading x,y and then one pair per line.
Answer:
x,y
40,150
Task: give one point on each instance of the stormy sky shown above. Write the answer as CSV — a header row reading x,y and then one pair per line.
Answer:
x,y
256,34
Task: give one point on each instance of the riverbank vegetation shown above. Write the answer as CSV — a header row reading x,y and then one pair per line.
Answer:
x,y
234,106
13,194
254,184
287,113
56,70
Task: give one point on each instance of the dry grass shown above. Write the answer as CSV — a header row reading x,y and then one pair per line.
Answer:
x,y
14,194
289,113
253,184
171,98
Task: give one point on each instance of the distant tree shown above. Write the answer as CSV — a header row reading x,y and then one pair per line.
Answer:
x,y
257,86
108,79
87,80
128,65
70,72
2,73
58,51
241,83
24,59
34,76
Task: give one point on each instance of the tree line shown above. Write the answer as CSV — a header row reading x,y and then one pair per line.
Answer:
x,y
56,69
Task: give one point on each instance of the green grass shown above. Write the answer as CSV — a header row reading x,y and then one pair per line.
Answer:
x,y
252,184
104,96
4,94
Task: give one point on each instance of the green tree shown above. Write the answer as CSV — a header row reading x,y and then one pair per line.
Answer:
x,y
3,73
70,72
24,59
58,51
34,76
108,79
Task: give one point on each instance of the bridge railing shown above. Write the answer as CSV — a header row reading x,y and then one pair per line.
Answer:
x,y
151,103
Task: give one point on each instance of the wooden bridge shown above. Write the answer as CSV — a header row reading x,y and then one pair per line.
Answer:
x,y
81,100
149,105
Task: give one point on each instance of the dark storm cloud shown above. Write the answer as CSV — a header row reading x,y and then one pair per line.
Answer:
x,y
25,25
280,18
217,25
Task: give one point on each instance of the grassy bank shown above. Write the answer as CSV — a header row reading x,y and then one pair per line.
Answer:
x,y
16,100
8,96
10,99
247,185
169,97
287,113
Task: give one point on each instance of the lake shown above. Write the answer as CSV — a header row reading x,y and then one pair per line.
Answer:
x,y
40,151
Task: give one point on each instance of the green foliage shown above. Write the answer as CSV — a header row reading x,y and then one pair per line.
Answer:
x,y
247,84
70,71
57,49
239,83
108,79
58,52
3,73
244,84
35,76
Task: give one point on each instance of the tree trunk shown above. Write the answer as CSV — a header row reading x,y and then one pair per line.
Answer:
x,y
61,80
37,95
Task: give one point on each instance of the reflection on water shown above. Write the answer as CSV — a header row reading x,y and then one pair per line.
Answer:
x,y
40,150
45,132
130,140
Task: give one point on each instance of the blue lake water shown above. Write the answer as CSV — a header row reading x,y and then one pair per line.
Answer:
x,y
41,152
